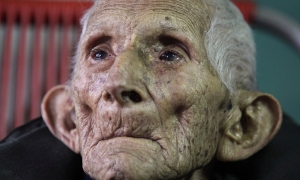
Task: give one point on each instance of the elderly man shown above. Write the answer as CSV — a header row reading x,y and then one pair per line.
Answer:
x,y
159,90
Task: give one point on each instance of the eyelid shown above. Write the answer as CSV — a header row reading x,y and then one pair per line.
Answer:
x,y
96,40
102,46
172,40
184,48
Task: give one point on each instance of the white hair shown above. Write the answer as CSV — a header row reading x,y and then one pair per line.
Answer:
x,y
229,45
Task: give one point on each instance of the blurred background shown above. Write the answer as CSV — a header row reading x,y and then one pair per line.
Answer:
x,y
278,62
38,37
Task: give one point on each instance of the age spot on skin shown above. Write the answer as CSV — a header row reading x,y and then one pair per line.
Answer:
x,y
102,80
156,49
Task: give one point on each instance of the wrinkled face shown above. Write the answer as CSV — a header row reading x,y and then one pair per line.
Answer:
x,y
148,104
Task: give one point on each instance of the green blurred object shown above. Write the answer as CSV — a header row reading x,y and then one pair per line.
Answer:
x,y
278,63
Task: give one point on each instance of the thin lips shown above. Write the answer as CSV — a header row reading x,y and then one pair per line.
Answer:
x,y
127,133
126,136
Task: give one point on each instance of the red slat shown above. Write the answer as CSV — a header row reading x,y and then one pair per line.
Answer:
x,y
247,7
21,69
67,16
42,14
11,16
52,71
37,81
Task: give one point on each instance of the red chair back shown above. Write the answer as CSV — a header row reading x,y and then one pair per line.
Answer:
x,y
37,39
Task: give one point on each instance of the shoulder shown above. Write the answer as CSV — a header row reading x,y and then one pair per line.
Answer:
x,y
32,152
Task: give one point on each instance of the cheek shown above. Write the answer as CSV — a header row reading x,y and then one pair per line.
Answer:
x,y
174,90
201,132
195,104
206,137
87,86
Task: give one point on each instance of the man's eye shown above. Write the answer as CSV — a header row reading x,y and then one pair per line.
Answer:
x,y
169,56
99,55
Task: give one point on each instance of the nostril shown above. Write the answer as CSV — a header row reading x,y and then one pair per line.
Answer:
x,y
108,97
132,95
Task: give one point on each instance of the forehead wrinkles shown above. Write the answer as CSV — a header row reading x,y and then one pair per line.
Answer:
x,y
193,13
112,14
121,8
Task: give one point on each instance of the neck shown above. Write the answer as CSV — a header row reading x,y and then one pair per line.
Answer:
x,y
200,174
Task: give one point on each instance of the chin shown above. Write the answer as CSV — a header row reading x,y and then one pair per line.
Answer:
x,y
125,158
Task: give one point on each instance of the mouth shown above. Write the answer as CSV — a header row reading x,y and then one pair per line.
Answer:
x,y
132,138
126,133
130,135
126,144
127,138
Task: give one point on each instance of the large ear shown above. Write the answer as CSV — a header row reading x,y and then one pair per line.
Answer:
x,y
58,113
253,121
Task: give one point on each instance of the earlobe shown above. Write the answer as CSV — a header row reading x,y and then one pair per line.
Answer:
x,y
253,122
58,113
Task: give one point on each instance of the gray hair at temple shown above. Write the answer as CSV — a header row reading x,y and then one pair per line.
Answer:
x,y
229,45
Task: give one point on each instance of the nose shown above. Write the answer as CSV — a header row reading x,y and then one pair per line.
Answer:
x,y
122,95
124,83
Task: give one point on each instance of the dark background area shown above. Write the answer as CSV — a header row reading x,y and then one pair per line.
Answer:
x,y
278,63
